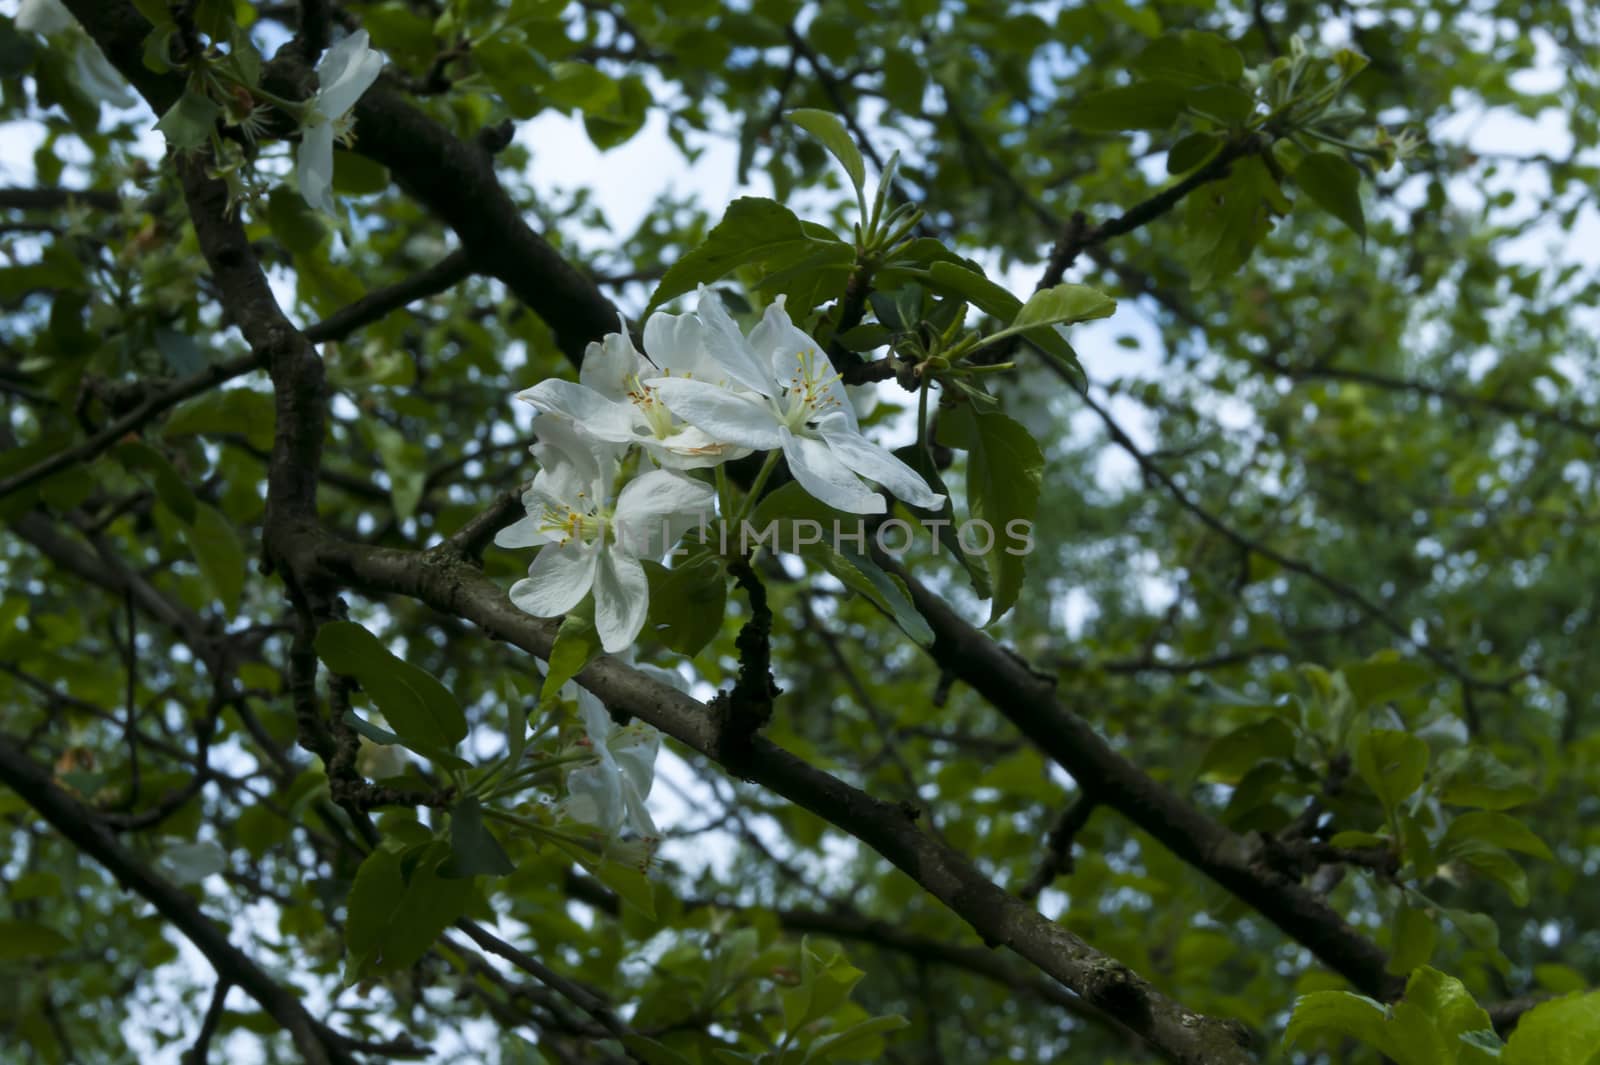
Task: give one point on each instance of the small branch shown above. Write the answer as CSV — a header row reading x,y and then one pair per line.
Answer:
x,y
81,827
131,422
440,277
1057,858
201,1049
747,708
55,199
580,996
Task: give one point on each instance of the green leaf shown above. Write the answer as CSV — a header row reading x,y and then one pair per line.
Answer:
x,y
1480,930
1192,151
1227,104
391,920
1004,471
292,221
1392,763
1232,756
968,283
651,1052
629,882
786,510
513,69
421,711
190,122
1341,1015
860,1041
219,554
1334,183
1191,57
1224,220
1501,830
139,457
977,572
1559,978
190,863
577,644
752,230
25,940
886,591
1445,1001
1563,1031
687,602
624,116
473,849
1413,938
824,987
356,175
1383,677
1142,105
1494,863
180,351
376,733
583,86
227,410
403,462
965,281
1473,777
1061,305
831,131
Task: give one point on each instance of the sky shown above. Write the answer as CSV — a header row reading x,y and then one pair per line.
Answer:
x,y
626,180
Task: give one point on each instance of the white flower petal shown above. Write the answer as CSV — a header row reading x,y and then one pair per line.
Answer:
x,y
98,78
558,579
634,751
638,814
798,361
600,417
347,70
608,364
594,797
314,164
597,721
828,479
692,449
42,16
621,600
878,464
656,508
734,417
676,346
573,457
524,532
729,349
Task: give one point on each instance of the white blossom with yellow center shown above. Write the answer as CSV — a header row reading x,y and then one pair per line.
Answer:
x,y
614,398
790,399
590,543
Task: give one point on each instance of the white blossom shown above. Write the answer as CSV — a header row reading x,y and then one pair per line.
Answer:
x,y
346,71
613,401
610,794
42,16
587,542
794,402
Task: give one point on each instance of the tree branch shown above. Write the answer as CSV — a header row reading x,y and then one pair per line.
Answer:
x,y
451,586
80,826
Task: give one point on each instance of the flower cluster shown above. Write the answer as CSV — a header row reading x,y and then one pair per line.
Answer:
x,y
700,394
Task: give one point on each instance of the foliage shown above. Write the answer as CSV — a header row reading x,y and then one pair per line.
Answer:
x,y
1273,738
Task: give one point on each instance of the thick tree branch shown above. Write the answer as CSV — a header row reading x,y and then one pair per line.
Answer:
x,y
451,586
1028,699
